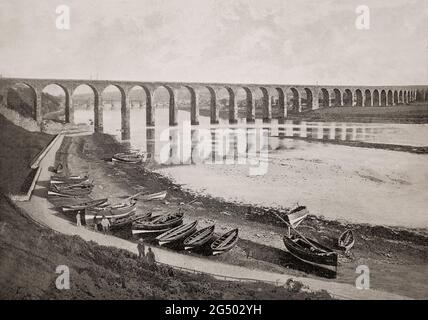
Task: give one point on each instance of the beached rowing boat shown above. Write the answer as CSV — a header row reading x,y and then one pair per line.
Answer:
x,y
84,205
73,190
177,233
199,238
153,196
225,242
113,211
311,252
129,157
158,223
296,215
346,240
128,220
60,179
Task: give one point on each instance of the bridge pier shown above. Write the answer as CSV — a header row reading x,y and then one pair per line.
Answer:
x,y
194,107
150,111
282,106
98,114
233,107
69,108
125,118
251,110
214,112
173,110
267,106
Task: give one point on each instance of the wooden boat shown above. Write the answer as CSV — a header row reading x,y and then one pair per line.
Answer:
x,y
296,215
177,233
153,196
129,157
199,238
113,211
128,220
158,223
225,242
311,252
84,205
58,179
75,190
346,240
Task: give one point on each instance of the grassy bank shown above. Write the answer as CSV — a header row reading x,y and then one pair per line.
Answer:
x,y
18,148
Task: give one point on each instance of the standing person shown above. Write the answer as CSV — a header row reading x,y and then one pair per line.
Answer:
x,y
95,223
105,224
151,259
78,220
141,249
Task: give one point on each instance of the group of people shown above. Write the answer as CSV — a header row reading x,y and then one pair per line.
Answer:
x,y
105,223
149,256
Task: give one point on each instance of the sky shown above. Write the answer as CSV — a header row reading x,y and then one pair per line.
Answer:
x,y
233,41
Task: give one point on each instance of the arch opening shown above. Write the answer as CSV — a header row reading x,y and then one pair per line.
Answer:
x,y
348,98
376,98
22,98
368,98
358,98
293,100
54,99
383,98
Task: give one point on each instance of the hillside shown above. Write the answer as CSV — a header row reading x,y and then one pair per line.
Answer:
x,y
17,148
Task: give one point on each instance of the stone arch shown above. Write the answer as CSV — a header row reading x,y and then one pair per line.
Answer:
x,y
49,100
24,99
214,111
376,98
124,108
293,100
87,103
324,98
194,105
395,97
390,98
368,98
358,98
348,98
233,106
172,103
401,96
307,99
337,98
383,98
281,110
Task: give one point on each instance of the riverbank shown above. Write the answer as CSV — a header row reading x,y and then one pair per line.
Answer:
x,y
395,256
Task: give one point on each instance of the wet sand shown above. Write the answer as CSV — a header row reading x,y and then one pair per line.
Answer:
x,y
397,257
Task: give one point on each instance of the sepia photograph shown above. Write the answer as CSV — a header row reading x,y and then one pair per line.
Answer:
x,y
222,151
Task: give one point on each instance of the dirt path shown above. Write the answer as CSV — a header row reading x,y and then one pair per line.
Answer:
x,y
41,211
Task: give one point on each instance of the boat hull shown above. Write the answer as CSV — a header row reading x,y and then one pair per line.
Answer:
x,y
321,257
176,234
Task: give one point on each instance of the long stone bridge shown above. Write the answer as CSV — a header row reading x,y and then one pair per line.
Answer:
x,y
298,97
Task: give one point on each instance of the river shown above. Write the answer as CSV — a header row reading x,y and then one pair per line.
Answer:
x,y
262,164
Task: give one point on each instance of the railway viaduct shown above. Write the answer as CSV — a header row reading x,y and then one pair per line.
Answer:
x,y
296,98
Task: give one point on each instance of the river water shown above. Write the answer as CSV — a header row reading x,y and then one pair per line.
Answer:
x,y
262,164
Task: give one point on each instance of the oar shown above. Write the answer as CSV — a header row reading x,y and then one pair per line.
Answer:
x,y
302,236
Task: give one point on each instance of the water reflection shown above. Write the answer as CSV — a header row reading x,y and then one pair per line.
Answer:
x,y
195,144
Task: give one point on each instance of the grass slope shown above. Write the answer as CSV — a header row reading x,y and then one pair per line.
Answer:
x,y
18,147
